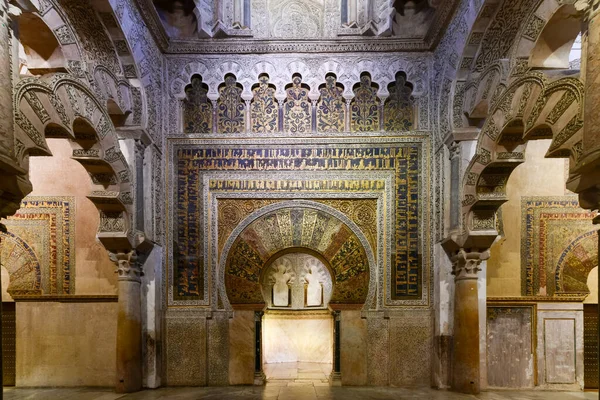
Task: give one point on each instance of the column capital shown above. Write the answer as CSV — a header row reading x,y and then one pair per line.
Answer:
x,y
128,266
465,265
140,147
588,7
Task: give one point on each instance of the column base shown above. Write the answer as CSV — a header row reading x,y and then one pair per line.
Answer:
x,y
260,378
335,379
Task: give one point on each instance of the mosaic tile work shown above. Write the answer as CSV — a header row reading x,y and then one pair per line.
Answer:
x,y
197,109
230,107
398,110
576,262
553,231
364,107
331,108
297,108
264,111
39,250
297,228
193,159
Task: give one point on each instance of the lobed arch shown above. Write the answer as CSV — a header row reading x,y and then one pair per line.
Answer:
x,y
55,22
552,30
244,233
61,106
534,45
282,75
532,107
237,104
122,95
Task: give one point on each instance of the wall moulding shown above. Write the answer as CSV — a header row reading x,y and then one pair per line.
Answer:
x,y
384,70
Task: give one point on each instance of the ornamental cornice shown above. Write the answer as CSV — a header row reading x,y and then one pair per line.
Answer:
x,y
339,44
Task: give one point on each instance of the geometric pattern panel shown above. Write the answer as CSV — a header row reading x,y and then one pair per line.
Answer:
x,y
557,245
39,248
402,159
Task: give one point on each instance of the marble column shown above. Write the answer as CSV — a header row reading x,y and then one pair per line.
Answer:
x,y
335,379
129,323
465,356
259,375
6,74
2,230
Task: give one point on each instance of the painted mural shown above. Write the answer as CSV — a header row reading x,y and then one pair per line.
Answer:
x,y
558,246
194,160
39,249
300,228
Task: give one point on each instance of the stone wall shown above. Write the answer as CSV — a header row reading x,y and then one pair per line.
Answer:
x,y
542,238
391,348
66,344
60,175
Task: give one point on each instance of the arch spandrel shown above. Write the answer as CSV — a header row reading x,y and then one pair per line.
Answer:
x,y
299,227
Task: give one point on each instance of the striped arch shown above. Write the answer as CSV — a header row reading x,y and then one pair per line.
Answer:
x,y
532,107
60,106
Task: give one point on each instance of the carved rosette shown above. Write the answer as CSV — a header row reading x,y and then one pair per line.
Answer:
x,y
128,267
465,265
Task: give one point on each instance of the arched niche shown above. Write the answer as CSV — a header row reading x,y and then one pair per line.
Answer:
x,y
296,280
39,50
282,228
554,44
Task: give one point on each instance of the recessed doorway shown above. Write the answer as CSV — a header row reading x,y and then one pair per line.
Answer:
x,y
297,327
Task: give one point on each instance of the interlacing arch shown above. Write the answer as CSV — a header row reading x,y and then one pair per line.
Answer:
x,y
60,106
532,107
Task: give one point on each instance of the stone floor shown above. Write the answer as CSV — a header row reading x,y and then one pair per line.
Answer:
x,y
273,392
297,374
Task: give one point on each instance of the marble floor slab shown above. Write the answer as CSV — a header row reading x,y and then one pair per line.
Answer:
x,y
297,374
271,392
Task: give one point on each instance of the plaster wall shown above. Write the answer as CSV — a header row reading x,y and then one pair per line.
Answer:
x,y
59,175
537,176
66,344
70,344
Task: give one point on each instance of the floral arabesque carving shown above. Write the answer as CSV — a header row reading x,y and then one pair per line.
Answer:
x,y
364,107
297,108
231,111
